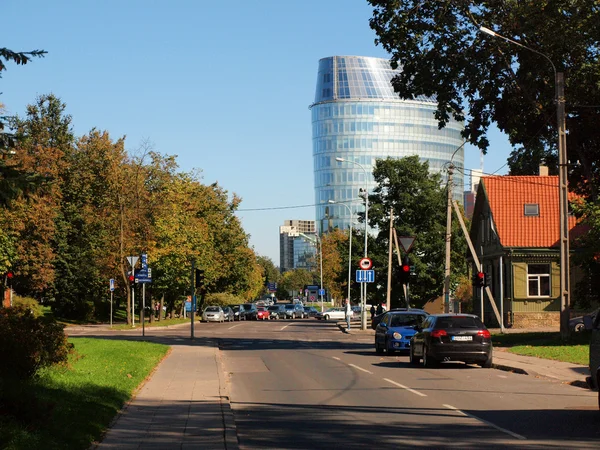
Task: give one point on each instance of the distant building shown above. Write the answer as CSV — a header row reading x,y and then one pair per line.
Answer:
x,y
471,195
357,116
297,248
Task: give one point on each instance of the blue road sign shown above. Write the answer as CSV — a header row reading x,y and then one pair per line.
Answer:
x,y
365,276
143,275
112,284
321,292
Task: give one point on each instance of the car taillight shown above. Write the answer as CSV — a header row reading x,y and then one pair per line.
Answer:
x,y
484,333
438,333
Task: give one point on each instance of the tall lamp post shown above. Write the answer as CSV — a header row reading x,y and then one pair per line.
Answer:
x,y
349,245
363,315
563,193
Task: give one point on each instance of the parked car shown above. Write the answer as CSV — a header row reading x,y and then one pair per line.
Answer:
x,y
396,329
310,311
581,323
229,314
213,314
452,337
248,311
332,313
236,312
595,356
294,310
276,312
263,314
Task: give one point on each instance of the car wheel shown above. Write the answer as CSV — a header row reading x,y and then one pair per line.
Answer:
x,y
487,364
378,349
428,361
412,358
325,317
579,328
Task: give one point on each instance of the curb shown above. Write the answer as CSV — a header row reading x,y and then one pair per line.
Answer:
x,y
229,428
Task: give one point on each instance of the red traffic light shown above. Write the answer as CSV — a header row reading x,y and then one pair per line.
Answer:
x,y
480,275
131,278
9,275
405,268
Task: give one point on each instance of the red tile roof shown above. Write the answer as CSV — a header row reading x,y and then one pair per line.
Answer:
x,y
507,196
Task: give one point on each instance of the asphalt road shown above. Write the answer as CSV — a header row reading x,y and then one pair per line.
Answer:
x,y
303,385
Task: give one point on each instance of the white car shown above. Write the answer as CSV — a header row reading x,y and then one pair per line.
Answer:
x,y
332,313
213,314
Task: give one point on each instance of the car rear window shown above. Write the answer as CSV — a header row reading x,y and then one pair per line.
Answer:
x,y
289,306
406,320
273,308
458,322
212,308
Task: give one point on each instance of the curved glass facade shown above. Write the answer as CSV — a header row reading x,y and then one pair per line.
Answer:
x,y
358,117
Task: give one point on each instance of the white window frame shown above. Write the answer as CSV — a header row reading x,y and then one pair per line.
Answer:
x,y
537,277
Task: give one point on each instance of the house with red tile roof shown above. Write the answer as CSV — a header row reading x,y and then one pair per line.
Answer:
x,y
515,232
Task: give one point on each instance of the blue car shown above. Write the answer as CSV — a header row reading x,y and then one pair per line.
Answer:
x,y
396,329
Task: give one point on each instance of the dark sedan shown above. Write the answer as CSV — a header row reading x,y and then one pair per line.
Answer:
x,y
452,337
581,323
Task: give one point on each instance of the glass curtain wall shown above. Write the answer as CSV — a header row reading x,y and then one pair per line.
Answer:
x,y
358,117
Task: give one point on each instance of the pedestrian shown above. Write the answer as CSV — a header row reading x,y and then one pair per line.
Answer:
x,y
379,309
372,311
348,311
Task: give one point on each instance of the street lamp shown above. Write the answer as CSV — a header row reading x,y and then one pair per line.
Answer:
x,y
350,246
363,315
563,201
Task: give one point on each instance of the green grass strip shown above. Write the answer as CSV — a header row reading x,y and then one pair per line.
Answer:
x,y
69,408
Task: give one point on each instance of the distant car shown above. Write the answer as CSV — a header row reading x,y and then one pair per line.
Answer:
x,y
248,311
229,314
294,311
213,314
581,323
452,337
236,312
332,313
310,311
276,312
376,319
263,314
396,329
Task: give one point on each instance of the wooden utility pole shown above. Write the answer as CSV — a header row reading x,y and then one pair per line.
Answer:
x,y
389,280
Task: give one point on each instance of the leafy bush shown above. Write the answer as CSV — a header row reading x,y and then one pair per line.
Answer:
x,y
28,303
223,299
29,343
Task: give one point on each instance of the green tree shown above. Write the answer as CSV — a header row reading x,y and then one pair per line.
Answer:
x,y
419,204
270,273
293,280
486,80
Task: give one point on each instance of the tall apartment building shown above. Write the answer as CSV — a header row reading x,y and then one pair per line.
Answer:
x,y
297,247
357,116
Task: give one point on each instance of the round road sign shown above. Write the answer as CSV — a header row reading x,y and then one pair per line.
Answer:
x,y
365,263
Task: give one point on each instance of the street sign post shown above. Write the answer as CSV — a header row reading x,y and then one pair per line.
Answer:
x,y
365,276
365,263
111,284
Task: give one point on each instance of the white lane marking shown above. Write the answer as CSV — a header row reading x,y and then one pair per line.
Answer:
x,y
360,368
285,327
335,357
504,430
405,387
231,328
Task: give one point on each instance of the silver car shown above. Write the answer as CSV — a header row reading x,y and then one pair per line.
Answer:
x,y
213,314
229,314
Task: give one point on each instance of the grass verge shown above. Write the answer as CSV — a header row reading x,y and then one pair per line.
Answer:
x,y
69,408
546,345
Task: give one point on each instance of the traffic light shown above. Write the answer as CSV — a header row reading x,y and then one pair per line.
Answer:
x,y
9,275
131,279
405,270
199,278
480,279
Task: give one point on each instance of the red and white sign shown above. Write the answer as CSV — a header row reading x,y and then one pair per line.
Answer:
x,y
365,263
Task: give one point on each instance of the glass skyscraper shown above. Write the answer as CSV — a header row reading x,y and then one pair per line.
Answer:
x,y
357,116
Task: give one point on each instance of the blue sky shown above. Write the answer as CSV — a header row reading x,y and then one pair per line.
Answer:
x,y
225,85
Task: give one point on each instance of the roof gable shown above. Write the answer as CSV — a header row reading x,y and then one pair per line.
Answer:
x,y
507,197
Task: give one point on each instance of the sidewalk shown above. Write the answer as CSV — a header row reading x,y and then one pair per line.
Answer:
x,y
183,405
562,372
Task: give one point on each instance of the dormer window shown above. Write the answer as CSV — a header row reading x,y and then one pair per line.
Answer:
x,y
532,209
